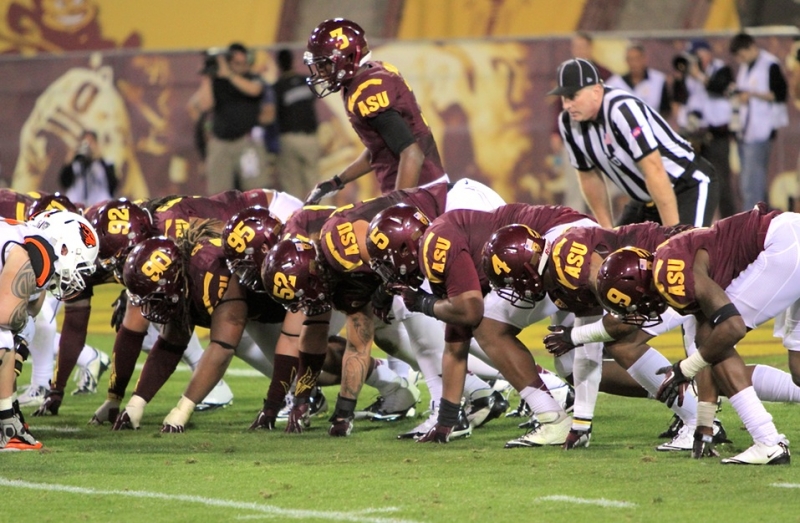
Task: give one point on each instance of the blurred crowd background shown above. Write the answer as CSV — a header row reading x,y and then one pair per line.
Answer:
x,y
131,73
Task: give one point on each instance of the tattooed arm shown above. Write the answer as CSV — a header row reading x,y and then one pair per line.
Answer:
x,y
356,361
17,285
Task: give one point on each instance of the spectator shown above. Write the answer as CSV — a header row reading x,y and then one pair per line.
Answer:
x,y
298,159
761,92
645,82
88,178
705,113
234,95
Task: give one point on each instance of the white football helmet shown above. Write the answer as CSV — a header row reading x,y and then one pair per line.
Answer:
x,y
74,241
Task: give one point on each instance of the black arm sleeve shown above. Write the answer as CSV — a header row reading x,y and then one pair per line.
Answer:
x,y
67,176
393,129
719,81
777,83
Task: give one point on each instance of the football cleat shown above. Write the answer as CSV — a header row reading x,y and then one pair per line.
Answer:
x,y
125,422
318,405
577,438
14,437
522,410
442,434
423,428
544,433
220,396
463,429
51,403
675,425
87,377
340,427
760,454
32,396
485,405
564,396
683,440
107,412
720,434
399,405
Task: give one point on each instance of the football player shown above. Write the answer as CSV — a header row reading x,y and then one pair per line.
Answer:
x,y
398,144
171,216
55,252
448,254
732,277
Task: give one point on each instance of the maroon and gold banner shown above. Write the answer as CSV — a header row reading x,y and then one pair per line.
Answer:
x,y
485,102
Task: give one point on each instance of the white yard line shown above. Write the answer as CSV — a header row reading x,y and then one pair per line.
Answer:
x,y
53,428
243,373
268,510
785,485
609,503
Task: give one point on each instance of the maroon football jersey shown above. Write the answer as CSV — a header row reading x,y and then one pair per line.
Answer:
x,y
307,221
176,215
381,88
338,239
732,244
14,205
450,256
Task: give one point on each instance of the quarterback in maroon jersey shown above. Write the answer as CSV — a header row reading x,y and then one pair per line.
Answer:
x,y
398,144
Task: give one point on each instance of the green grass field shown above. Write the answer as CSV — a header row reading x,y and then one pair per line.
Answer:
x,y
219,471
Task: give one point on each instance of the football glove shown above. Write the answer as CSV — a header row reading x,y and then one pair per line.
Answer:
x,y
52,402
559,341
673,387
323,189
298,417
382,304
703,446
419,301
438,434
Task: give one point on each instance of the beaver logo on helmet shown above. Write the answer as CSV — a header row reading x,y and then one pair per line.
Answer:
x,y
87,235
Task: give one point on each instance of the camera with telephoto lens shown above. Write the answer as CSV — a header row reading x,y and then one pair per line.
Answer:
x,y
84,153
210,64
682,62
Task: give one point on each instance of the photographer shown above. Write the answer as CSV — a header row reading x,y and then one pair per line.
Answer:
x,y
88,178
702,89
233,95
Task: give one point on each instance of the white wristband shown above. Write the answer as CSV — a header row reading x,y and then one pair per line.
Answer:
x,y
592,333
693,364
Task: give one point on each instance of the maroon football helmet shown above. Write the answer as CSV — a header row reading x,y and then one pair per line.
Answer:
x,y
625,286
334,52
514,260
393,244
121,225
51,202
295,276
153,275
247,238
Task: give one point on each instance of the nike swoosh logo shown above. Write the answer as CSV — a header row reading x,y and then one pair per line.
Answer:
x,y
769,456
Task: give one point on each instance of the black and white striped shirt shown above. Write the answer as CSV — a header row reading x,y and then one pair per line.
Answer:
x,y
625,131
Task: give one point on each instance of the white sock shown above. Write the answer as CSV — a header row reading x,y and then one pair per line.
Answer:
x,y
43,350
644,370
539,401
587,371
384,379
400,367
755,417
773,384
87,355
473,383
191,356
435,387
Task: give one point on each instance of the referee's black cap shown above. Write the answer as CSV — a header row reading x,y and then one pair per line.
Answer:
x,y
574,75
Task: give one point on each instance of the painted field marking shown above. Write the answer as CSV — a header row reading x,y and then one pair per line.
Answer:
x,y
243,373
608,503
272,511
53,428
786,485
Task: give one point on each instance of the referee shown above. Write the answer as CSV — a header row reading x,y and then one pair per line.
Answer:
x,y
611,133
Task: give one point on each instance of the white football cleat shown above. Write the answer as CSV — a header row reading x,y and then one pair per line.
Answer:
x,y
761,454
554,432
683,441
220,396
88,376
32,396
